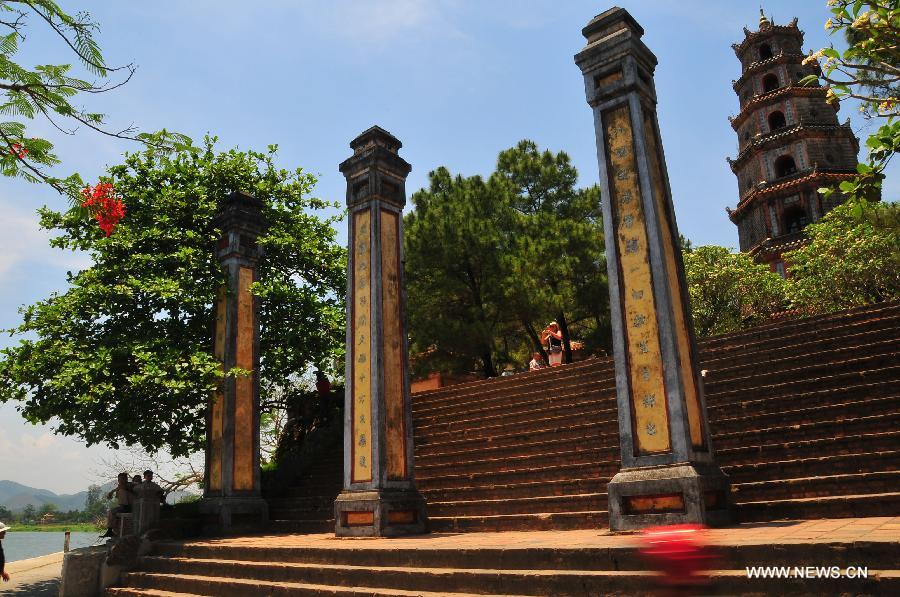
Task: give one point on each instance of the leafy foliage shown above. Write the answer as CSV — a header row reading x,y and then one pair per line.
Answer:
x,y
867,71
729,291
490,262
48,91
849,261
124,356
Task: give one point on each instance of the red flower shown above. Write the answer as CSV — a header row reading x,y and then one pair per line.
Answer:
x,y
19,150
103,203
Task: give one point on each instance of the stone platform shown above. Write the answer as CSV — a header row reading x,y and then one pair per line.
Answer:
x,y
577,562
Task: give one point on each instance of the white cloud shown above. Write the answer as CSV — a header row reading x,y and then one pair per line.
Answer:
x,y
23,241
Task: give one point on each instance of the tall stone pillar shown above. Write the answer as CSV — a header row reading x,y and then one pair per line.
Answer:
x,y
669,473
231,494
379,496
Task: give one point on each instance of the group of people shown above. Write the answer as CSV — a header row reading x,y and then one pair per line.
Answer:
x,y
126,492
552,338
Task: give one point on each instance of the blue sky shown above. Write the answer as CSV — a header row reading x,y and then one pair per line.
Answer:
x,y
456,81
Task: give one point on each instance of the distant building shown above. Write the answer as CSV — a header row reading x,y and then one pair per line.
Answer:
x,y
790,143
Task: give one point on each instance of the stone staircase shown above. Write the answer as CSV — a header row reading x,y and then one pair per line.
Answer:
x,y
557,564
804,414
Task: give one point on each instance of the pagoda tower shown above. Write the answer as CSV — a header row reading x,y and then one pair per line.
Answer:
x,y
790,144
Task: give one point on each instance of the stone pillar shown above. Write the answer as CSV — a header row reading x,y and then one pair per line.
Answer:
x,y
669,474
231,494
379,496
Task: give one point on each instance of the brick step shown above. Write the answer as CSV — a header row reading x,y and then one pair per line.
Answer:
x,y
802,414
586,405
135,592
871,363
804,384
762,405
547,521
300,502
805,431
559,397
838,506
310,513
846,445
523,489
213,586
606,434
865,462
869,314
605,418
311,490
530,505
557,472
803,351
598,381
524,448
812,487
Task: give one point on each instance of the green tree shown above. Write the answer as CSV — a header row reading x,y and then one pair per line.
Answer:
x,y
95,504
849,261
454,272
555,264
51,93
729,291
47,508
5,513
124,356
29,513
867,71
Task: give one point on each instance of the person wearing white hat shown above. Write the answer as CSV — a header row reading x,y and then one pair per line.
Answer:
x,y
3,574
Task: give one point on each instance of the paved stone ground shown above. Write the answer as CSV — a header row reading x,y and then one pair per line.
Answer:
x,y
35,577
839,530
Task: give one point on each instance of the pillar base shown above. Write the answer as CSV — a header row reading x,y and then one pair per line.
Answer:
x,y
224,515
676,494
380,513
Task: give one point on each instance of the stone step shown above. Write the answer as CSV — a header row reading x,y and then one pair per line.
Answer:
x,y
881,366
579,455
529,505
302,526
134,592
562,430
213,586
556,472
603,390
524,415
762,405
800,413
547,521
806,431
830,348
775,451
835,506
869,314
523,449
816,486
867,462
516,490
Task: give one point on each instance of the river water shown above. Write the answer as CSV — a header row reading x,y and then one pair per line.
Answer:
x,y
27,544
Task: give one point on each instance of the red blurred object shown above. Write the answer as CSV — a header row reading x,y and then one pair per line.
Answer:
x,y
679,552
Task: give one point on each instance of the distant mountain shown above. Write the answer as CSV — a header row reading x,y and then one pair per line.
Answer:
x,y
16,496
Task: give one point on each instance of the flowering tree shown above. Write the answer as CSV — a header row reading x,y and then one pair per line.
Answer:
x,y
867,71
48,92
124,356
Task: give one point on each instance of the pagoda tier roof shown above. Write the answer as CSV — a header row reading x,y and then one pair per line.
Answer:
x,y
779,58
772,96
800,130
778,245
751,37
796,182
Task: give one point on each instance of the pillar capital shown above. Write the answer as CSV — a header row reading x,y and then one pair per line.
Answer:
x,y
375,171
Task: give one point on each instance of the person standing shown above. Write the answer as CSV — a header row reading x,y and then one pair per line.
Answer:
x,y
3,574
553,337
